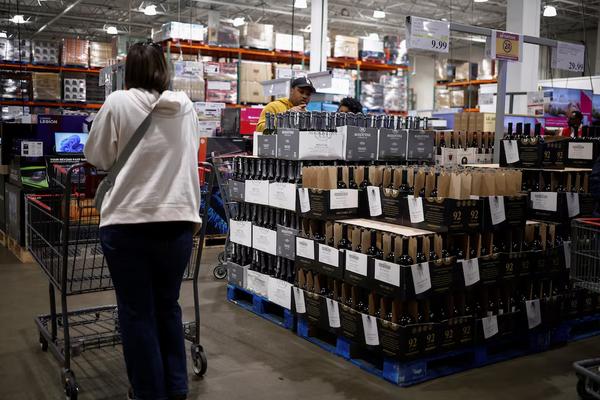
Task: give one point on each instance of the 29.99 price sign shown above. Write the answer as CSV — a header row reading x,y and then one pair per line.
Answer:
x,y
427,34
568,57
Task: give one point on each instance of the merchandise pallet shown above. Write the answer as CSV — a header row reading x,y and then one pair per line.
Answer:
x,y
260,306
214,241
17,250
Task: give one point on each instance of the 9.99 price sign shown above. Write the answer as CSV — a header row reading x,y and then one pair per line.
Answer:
x,y
568,57
427,34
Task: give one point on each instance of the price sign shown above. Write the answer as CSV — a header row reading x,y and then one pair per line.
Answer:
x,y
506,46
569,57
427,34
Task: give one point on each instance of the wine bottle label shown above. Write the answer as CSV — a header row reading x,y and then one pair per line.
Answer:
x,y
490,326
545,201
497,210
357,262
333,313
471,271
299,300
240,232
257,191
573,204
374,197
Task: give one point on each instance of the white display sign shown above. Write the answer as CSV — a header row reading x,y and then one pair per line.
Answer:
x,y
490,326
471,271
299,300
356,262
256,191
568,57
282,195
374,197
511,149
581,151
534,314
546,201
421,277
341,199
240,232
304,200
387,272
333,313
370,330
305,248
258,283
329,255
264,239
415,209
497,211
428,34
280,293
573,204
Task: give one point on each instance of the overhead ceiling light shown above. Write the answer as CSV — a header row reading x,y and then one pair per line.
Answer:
x,y
150,10
112,30
238,21
444,19
480,1
549,11
3,35
18,19
300,4
378,14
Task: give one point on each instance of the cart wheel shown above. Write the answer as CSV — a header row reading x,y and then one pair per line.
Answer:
x,y
43,343
199,362
220,272
71,388
581,390
221,257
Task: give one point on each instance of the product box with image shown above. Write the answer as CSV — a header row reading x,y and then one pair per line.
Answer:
x,y
371,50
361,143
188,77
252,92
223,35
75,52
345,47
74,89
293,144
258,36
46,86
180,30
15,50
45,52
285,42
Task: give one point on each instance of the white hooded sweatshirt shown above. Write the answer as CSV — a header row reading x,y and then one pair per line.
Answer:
x,y
159,181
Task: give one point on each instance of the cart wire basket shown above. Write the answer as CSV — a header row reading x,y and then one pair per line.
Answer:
x,y
63,237
585,273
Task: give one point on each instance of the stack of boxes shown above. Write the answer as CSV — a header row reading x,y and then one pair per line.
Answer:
x,y
345,47
221,82
209,117
188,77
14,50
394,93
75,52
288,71
100,54
223,35
475,122
257,36
46,86
180,31
372,50
251,76
285,42
45,52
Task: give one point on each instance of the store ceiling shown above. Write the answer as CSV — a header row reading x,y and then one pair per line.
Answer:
x,y
351,17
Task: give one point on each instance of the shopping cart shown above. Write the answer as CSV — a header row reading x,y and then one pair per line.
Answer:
x,y
224,170
585,273
62,235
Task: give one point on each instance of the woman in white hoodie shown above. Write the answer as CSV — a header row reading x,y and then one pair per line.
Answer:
x,y
147,218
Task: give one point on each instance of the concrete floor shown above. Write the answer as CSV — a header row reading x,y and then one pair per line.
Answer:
x,y
248,357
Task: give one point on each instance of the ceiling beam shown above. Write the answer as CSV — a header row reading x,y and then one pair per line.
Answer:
x,y
58,16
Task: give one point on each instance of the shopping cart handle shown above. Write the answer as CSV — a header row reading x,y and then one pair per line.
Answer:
x,y
582,368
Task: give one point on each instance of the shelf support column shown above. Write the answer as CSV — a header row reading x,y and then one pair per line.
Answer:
x,y
318,35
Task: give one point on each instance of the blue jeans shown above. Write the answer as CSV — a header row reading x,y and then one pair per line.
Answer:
x,y
146,263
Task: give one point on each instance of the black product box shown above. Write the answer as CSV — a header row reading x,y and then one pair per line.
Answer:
x,y
551,311
408,342
357,271
554,207
14,198
582,153
555,152
361,143
286,242
230,122
316,309
266,146
489,268
306,250
420,146
450,215
515,211
351,324
510,266
392,145
531,154
387,278
455,332
237,274
237,190
509,325
442,274
394,207
333,204
329,261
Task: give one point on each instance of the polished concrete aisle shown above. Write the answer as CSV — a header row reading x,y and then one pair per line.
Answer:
x,y
249,358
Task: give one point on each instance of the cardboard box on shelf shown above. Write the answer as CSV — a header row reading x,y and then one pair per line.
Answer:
x,y
221,91
372,49
223,35
258,36
75,52
252,92
100,54
345,46
45,52
255,71
249,119
180,30
284,42
209,128
188,77
288,71
46,86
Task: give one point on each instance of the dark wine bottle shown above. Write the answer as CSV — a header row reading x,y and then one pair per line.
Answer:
x,y
351,182
372,250
391,257
345,243
420,256
405,258
363,185
340,178
536,243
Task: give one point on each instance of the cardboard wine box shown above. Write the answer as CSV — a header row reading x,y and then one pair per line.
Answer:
x,y
421,146
455,332
333,204
361,143
351,324
236,190
295,145
237,274
329,261
582,153
450,215
407,342
266,145
392,145
555,152
489,268
515,211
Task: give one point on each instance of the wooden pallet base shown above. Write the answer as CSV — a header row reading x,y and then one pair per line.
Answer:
x,y
214,241
20,252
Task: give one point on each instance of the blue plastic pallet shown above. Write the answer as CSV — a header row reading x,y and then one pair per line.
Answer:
x,y
260,306
578,329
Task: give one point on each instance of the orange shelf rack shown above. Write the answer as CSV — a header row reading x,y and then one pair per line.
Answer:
x,y
36,103
47,68
467,83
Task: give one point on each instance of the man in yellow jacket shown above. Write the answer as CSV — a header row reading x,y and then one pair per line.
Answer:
x,y
300,93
